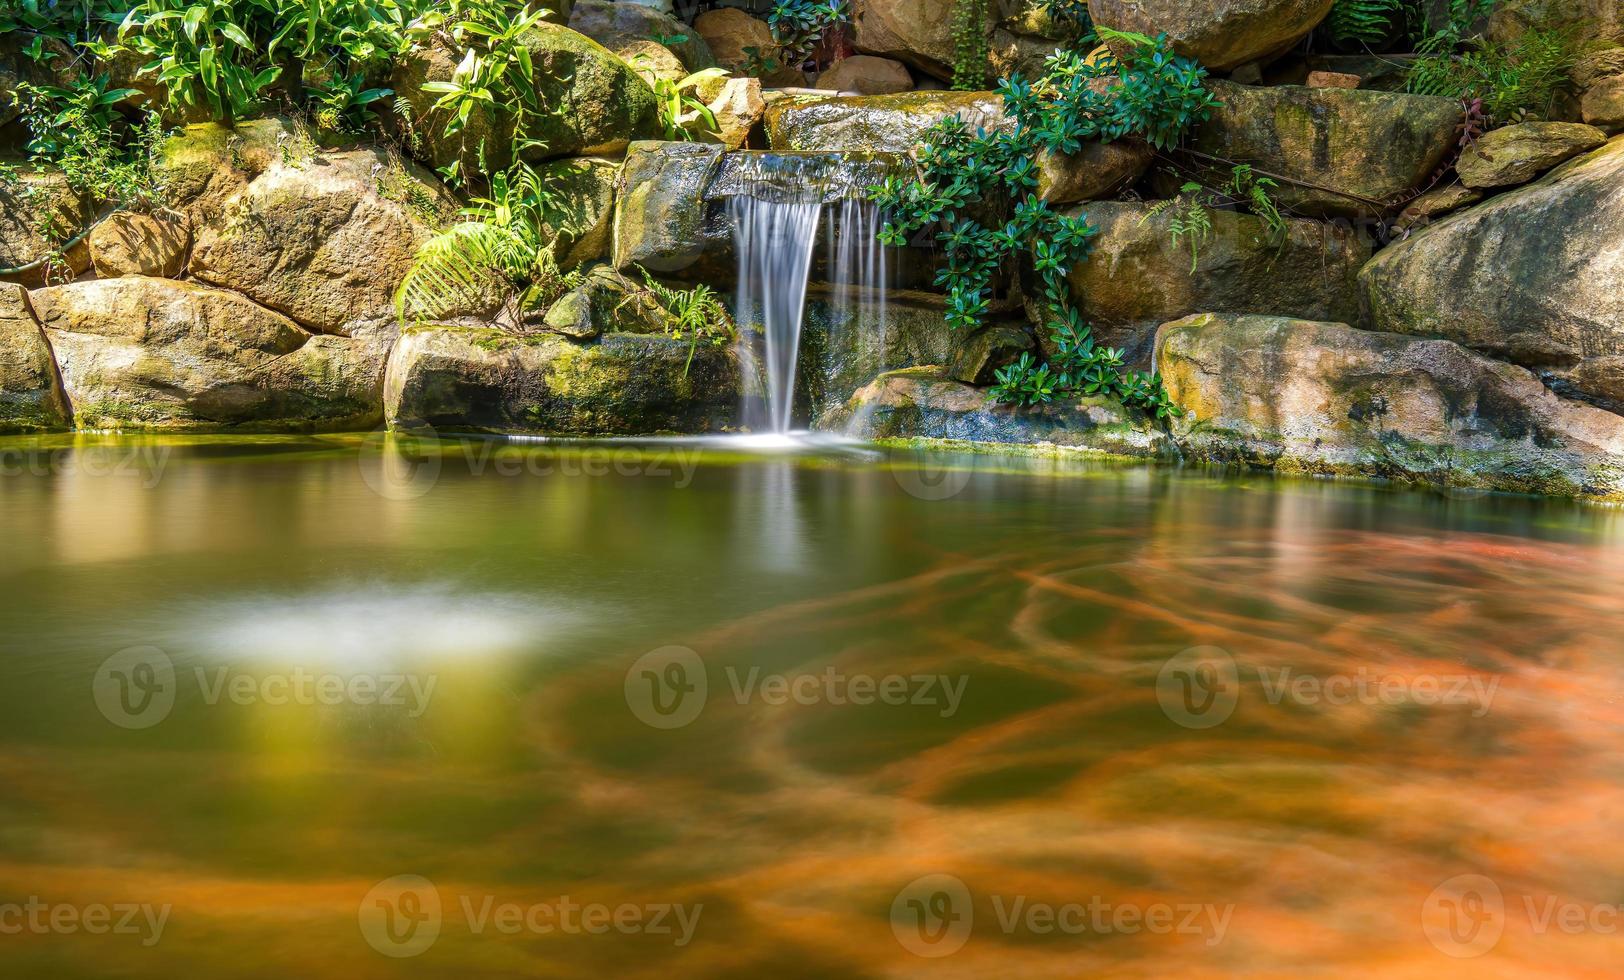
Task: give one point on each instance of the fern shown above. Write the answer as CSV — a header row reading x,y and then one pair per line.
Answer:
x,y
695,315
1366,22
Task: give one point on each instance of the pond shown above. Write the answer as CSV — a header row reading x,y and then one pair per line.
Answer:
x,y
364,706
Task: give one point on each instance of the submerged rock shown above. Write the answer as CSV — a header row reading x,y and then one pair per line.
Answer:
x,y
1325,398
474,379
1517,154
1221,34
325,242
1375,145
1138,279
142,353
601,103
919,403
31,396
1531,276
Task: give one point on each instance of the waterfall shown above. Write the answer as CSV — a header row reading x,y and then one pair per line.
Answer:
x,y
778,205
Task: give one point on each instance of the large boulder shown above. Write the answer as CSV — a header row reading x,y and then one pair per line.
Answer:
x,y
920,403
1138,278
845,343
599,103
1372,145
625,384
126,243
878,123
581,215
141,353
1531,276
660,214
736,40
1325,398
866,75
1593,18
325,242
1599,76
1517,154
31,396
919,32
204,165
622,26
1221,34
39,215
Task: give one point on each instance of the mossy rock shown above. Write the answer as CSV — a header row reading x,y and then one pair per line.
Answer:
x,y
31,396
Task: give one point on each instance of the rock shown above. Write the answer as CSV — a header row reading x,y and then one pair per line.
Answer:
x,y
1011,52
1517,154
327,242
1221,34
1379,72
581,218
731,34
129,244
1332,79
660,217
652,62
31,396
1099,170
602,103
1432,205
622,24
738,108
845,345
1138,279
1530,276
918,32
1603,103
39,214
1375,145
203,165
141,353
626,384
877,123
918,403
607,302
1592,18
981,354
60,69
866,75
1325,398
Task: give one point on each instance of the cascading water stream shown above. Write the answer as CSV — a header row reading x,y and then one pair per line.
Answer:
x,y
778,210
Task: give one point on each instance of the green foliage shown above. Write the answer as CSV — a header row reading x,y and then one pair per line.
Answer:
x,y
966,177
1515,80
498,256
103,156
970,52
1367,22
1192,209
1070,14
682,112
798,27
695,315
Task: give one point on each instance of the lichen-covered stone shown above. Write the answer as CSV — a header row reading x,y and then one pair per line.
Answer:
x,y
39,214
129,244
1531,276
607,302
660,214
918,32
1098,170
625,384
1325,398
919,403
581,218
844,344
1221,34
601,103
155,354
1138,279
1517,154
979,355
877,123
1374,145
204,165
31,396
325,242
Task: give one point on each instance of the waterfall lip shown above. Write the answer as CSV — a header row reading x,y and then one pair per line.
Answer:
x,y
820,177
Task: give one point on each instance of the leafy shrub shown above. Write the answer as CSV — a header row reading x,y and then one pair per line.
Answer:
x,y
1516,80
970,53
682,112
798,27
964,176
1071,15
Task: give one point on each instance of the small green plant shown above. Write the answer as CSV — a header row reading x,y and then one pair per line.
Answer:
x,y
498,257
682,111
694,315
1071,15
1366,22
1192,209
798,27
970,52
1516,80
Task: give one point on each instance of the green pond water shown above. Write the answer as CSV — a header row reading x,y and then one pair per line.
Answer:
x,y
362,707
